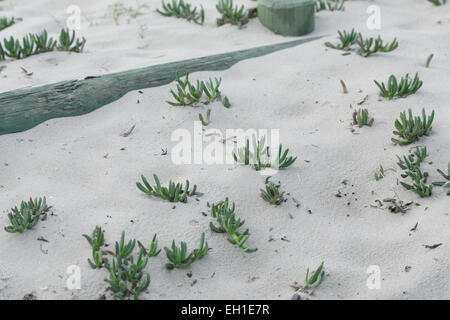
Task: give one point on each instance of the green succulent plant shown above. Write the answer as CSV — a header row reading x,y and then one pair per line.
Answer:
x,y
187,94
361,118
315,279
373,45
179,258
411,168
153,250
183,10
411,128
272,193
27,215
68,42
400,90
231,14
444,184
97,241
330,5
260,158
347,39
379,174
6,22
43,42
127,278
173,193
227,223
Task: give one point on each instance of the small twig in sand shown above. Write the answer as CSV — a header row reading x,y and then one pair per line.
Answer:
x,y
126,134
434,246
344,87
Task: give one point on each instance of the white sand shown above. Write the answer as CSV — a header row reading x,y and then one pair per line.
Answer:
x,y
295,90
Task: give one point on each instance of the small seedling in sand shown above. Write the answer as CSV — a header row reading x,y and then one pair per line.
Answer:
x,y
27,216
344,87
379,174
372,45
207,120
412,128
126,278
397,206
118,10
330,5
96,240
427,65
68,42
178,255
444,184
438,2
347,39
361,118
315,279
411,166
272,193
260,158
153,250
227,223
174,193
183,10
400,90
188,94
230,14
6,22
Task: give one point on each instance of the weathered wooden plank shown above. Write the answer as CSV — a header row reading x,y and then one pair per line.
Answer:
x,y
25,108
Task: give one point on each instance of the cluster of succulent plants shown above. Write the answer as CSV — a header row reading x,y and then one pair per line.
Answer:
x,y
410,128
272,193
188,94
184,10
402,89
446,183
411,168
27,215
438,2
32,44
260,158
231,14
367,46
361,118
173,193
330,5
372,45
127,278
179,258
227,223
6,22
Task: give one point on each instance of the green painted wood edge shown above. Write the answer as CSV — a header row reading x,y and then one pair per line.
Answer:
x,y
25,108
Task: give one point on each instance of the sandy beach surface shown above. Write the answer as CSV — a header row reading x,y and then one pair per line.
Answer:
x,y
88,171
